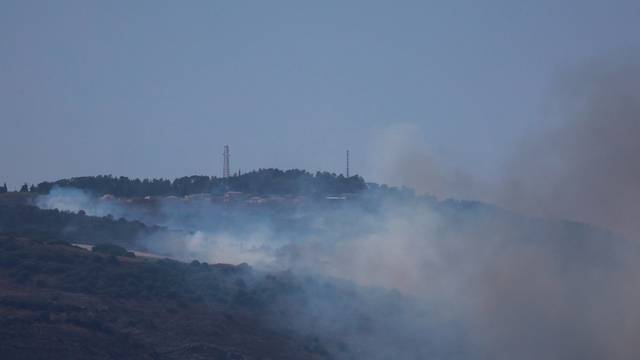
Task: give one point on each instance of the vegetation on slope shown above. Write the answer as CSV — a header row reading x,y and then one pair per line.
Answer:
x,y
263,181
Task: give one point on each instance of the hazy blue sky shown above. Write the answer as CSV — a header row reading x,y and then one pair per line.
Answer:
x,y
156,88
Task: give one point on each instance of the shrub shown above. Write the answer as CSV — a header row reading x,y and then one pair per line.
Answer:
x,y
111,249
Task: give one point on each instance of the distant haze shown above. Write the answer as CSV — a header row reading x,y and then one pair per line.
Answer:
x,y
155,89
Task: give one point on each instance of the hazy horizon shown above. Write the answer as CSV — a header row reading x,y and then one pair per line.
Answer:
x,y
155,89
508,103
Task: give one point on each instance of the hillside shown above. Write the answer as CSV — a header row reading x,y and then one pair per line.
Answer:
x,y
377,275
61,302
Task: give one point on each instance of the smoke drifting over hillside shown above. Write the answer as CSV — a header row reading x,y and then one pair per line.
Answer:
x,y
583,166
402,157
587,168
482,282
478,282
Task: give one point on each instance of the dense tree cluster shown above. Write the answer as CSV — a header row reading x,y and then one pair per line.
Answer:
x,y
260,182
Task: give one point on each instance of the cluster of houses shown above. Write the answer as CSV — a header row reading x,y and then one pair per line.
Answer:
x,y
235,197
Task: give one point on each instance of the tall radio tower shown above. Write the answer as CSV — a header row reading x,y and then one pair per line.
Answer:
x,y
225,166
347,163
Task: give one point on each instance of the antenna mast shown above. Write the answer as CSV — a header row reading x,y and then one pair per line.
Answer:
x,y
347,163
225,166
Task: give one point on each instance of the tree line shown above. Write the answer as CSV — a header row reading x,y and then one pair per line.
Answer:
x,y
55,225
258,182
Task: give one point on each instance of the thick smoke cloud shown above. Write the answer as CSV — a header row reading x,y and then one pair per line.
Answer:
x,y
587,167
580,164
530,290
524,289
